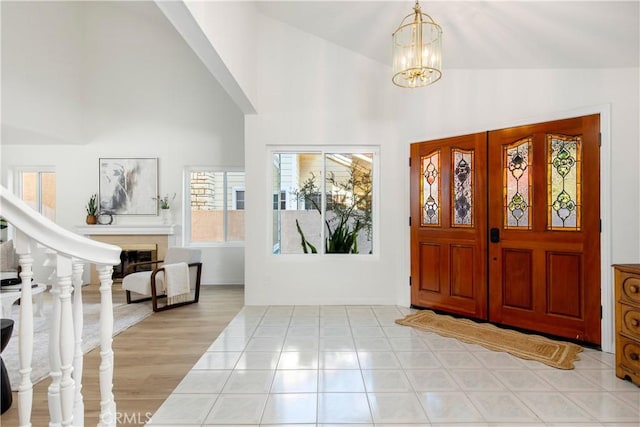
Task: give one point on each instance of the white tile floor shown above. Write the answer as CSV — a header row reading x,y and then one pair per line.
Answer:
x,y
332,365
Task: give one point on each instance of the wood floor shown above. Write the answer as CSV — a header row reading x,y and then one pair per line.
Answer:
x,y
150,358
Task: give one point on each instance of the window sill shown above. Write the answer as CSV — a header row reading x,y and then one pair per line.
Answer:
x,y
215,245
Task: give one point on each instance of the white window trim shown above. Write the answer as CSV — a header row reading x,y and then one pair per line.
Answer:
x,y
17,175
323,149
186,207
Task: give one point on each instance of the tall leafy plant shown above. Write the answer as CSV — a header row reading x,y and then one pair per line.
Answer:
x,y
348,210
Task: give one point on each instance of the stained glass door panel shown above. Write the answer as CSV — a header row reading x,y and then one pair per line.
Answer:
x,y
517,182
462,190
564,181
430,188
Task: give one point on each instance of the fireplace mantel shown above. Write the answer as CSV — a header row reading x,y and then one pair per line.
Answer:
x,y
160,235
153,229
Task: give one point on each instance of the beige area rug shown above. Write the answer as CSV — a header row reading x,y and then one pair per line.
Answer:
x,y
558,354
124,316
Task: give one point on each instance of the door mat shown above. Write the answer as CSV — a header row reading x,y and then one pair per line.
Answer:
x,y
558,354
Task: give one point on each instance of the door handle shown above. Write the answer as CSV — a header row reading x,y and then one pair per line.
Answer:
x,y
494,235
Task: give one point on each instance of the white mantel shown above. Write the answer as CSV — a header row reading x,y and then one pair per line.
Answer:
x,y
152,229
123,235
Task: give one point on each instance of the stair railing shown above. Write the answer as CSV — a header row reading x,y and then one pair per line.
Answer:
x,y
67,253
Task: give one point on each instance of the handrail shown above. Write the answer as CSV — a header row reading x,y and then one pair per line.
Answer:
x,y
53,236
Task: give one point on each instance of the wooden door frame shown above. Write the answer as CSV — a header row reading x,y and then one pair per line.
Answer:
x,y
606,271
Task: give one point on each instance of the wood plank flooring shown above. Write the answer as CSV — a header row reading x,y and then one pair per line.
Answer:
x,y
151,357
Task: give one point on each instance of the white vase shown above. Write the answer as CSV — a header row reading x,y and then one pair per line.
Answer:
x,y
165,214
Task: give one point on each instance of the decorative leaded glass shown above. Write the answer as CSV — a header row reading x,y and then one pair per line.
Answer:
x,y
462,187
430,192
517,184
563,179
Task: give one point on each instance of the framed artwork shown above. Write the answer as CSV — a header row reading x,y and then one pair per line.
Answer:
x,y
129,186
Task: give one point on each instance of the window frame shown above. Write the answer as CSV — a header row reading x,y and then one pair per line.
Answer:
x,y
39,170
186,213
322,150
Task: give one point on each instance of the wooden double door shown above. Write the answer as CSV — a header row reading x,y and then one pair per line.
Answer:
x,y
505,227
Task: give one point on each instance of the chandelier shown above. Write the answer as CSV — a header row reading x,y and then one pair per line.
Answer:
x,y
417,50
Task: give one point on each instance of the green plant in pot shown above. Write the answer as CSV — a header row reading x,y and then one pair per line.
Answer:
x,y
92,209
165,201
347,217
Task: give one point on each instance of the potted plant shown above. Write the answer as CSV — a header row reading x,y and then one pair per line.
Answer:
x,y
164,203
92,209
345,219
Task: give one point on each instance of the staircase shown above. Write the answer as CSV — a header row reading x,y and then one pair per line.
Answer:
x,y
68,255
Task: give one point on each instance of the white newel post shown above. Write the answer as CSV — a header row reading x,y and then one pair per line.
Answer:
x,y
67,339
107,402
78,360
25,337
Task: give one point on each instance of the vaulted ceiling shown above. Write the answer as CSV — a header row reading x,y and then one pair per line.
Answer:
x,y
482,34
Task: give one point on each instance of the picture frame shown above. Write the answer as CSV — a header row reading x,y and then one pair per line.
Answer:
x,y
128,186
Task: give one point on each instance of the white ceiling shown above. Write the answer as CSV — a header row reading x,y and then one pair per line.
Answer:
x,y
482,34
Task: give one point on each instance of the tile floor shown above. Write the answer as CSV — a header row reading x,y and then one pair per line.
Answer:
x,y
337,365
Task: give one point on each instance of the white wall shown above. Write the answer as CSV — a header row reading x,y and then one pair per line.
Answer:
x,y
143,93
313,92
46,100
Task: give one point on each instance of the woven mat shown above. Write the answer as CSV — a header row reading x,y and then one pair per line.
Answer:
x,y
558,354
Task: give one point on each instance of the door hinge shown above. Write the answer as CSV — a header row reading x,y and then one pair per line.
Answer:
x,y
409,221
409,161
601,312
600,139
409,281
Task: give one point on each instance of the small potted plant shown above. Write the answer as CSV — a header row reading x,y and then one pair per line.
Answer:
x,y
92,209
165,207
164,202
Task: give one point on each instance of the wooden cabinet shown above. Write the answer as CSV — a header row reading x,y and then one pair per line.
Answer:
x,y
627,294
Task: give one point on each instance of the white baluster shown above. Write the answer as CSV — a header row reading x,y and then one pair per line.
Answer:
x,y
50,263
107,402
25,337
67,340
53,392
78,325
